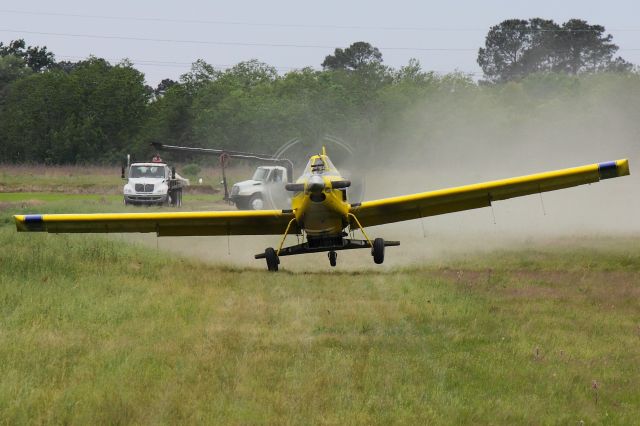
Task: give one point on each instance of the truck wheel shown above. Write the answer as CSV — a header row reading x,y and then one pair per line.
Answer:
x,y
178,201
378,250
126,203
256,202
272,259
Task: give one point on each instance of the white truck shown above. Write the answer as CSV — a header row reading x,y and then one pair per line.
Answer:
x,y
153,184
264,190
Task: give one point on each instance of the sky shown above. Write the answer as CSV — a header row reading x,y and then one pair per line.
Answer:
x,y
163,38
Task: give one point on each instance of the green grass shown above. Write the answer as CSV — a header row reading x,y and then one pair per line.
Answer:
x,y
39,202
95,179
48,197
36,178
95,330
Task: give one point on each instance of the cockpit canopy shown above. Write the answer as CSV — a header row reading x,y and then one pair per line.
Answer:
x,y
319,165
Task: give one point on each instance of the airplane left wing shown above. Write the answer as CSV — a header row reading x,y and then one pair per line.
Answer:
x,y
407,207
258,222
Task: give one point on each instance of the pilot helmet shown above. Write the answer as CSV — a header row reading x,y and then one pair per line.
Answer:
x,y
317,166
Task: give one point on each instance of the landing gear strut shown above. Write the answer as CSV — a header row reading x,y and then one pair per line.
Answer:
x,y
333,257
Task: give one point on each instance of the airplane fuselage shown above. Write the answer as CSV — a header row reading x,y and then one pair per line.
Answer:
x,y
319,207
321,213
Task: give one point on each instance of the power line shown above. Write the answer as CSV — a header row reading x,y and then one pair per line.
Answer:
x,y
244,44
285,25
225,43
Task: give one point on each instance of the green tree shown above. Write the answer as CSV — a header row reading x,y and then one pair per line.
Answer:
x,y
580,47
516,48
11,68
171,114
35,57
91,114
163,86
360,54
200,74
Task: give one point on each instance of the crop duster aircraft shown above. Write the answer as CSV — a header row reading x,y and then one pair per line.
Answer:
x,y
321,211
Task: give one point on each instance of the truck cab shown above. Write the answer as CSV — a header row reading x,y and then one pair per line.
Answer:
x,y
264,190
153,184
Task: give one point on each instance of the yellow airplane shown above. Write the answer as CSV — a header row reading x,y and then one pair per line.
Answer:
x,y
320,210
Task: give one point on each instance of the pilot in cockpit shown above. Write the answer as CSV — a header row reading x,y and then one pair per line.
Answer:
x,y
318,166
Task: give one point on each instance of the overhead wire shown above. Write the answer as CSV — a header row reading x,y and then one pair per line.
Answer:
x,y
248,44
157,63
221,43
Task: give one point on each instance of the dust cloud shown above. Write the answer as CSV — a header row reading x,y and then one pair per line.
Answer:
x,y
472,142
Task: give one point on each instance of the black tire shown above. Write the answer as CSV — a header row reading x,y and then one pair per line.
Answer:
x,y
178,200
378,250
272,259
126,203
333,257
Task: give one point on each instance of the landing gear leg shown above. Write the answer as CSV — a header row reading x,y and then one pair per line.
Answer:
x,y
333,257
272,259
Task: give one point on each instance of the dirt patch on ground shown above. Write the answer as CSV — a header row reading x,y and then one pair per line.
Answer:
x,y
202,189
22,204
610,287
62,189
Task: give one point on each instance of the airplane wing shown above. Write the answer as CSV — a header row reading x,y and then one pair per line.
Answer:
x,y
258,222
414,206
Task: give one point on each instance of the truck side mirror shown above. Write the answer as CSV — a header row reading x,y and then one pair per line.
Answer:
x,y
173,173
122,175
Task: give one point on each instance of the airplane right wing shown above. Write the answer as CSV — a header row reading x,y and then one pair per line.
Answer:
x,y
414,206
258,222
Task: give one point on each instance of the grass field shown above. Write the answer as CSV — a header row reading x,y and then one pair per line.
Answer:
x,y
94,179
96,330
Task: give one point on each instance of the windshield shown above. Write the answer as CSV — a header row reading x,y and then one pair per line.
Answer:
x,y
260,174
146,172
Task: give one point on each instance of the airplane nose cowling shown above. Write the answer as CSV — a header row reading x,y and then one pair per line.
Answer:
x,y
315,184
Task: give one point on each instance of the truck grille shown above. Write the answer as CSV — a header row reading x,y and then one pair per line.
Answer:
x,y
144,187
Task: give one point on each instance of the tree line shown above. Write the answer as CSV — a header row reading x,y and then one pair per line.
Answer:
x,y
92,111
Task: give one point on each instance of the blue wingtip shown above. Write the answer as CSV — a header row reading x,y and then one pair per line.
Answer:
x,y
33,218
608,169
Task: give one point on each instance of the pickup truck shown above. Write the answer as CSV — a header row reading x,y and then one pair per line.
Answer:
x,y
153,184
264,190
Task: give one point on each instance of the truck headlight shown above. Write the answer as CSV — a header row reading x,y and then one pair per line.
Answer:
x,y
128,190
161,189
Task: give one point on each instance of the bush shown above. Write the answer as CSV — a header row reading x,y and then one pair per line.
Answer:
x,y
191,170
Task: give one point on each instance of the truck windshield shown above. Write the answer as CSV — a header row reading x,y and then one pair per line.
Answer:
x,y
146,172
260,174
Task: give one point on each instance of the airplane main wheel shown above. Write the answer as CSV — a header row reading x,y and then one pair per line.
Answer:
x,y
333,257
378,250
272,259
